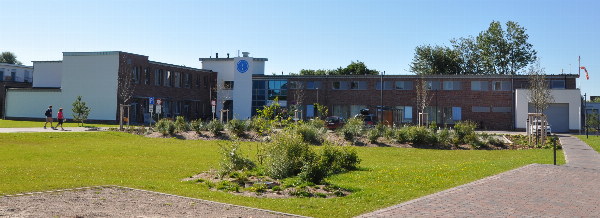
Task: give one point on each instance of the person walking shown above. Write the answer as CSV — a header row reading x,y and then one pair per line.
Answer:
x,y
60,118
49,117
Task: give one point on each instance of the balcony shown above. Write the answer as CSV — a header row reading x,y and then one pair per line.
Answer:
x,y
16,79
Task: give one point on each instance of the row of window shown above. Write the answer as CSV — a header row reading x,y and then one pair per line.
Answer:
x,y
167,78
408,85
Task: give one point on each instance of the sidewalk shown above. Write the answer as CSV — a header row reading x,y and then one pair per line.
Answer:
x,y
48,129
570,190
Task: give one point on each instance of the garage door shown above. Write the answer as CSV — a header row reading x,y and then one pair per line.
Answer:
x,y
558,116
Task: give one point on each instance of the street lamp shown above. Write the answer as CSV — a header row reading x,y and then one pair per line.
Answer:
x,y
382,96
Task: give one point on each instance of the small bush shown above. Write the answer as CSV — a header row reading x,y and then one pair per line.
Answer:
x,y
321,195
444,137
260,125
403,135
374,134
310,132
285,154
198,126
236,127
276,188
390,133
464,132
166,127
418,134
181,125
215,127
228,186
232,159
258,187
352,129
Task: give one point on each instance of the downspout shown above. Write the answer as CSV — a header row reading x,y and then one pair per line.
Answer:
x,y
514,106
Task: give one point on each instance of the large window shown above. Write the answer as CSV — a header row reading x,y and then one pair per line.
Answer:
x,y
147,76
178,79
228,85
168,79
197,81
313,85
358,85
558,84
296,85
339,85
501,85
387,85
340,110
480,86
158,77
188,80
403,85
452,85
355,110
265,91
277,89
433,85
136,74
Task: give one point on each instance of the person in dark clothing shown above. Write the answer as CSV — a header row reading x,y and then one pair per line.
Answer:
x,y
49,117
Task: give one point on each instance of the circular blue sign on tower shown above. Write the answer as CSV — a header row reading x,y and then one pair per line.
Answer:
x,y
242,66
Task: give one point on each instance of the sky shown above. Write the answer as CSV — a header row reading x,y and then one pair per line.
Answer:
x,y
297,35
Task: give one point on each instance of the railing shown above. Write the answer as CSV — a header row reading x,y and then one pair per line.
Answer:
x,y
17,79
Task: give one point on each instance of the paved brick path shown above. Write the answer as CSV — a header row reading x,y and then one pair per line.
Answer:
x,y
571,190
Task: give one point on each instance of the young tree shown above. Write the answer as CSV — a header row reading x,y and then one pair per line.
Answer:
x,y
9,58
422,89
539,94
80,110
593,122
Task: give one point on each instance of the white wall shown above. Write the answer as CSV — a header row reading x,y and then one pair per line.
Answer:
x,y
225,73
242,89
19,71
258,67
47,73
570,96
88,74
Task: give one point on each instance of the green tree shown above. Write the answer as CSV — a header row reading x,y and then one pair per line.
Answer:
x,y
469,54
80,110
539,93
354,68
593,122
505,52
9,58
437,59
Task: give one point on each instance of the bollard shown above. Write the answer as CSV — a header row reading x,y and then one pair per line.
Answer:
x,y
555,139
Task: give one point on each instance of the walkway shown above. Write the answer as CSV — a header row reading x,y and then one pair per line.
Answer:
x,y
571,190
41,129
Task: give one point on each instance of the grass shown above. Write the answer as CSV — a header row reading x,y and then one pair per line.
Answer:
x,y
387,176
29,124
593,141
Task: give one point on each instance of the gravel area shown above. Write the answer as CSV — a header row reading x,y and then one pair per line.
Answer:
x,y
119,202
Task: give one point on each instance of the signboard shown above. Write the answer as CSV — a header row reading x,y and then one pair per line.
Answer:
x,y
158,108
213,103
158,101
151,101
151,110
213,108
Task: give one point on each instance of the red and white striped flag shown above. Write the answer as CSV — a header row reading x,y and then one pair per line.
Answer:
x,y
586,73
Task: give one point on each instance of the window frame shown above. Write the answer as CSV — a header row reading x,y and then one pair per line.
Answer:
x,y
158,77
501,85
168,78
228,85
358,85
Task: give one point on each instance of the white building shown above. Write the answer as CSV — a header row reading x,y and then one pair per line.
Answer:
x,y
235,74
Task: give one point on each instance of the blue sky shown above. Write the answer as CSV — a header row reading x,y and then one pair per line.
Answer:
x,y
296,35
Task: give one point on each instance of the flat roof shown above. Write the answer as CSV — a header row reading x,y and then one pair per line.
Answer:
x,y
230,59
409,76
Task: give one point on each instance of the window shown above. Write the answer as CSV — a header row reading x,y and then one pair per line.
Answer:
x,y
188,80
355,110
228,85
168,79
387,85
452,85
480,86
481,109
313,85
558,84
205,82
403,85
277,89
197,81
358,85
296,84
158,77
1,74
408,113
433,85
147,76
502,109
501,85
339,85
178,79
136,74
340,110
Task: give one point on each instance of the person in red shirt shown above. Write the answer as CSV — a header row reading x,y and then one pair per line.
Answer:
x,y
60,119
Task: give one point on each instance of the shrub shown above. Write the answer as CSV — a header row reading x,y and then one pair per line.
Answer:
x,y
198,126
236,127
417,134
165,126
464,132
315,168
232,159
181,125
285,154
352,129
260,125
444,137
215,127
403,135
374,133
390,133
321,195
310,133
276,188
258,187
228,186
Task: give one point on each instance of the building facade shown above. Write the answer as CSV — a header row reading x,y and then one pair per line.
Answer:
x,y
14,76
96,75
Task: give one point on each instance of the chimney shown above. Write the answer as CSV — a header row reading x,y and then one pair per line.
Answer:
x,y
245,54
227,55
217,55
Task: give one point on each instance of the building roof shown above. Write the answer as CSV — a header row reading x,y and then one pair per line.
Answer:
x,y
177,66
91,53
14,65
410,76
230,59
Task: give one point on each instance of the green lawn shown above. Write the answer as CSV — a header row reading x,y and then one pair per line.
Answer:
x,y
592,141
46,161
28,124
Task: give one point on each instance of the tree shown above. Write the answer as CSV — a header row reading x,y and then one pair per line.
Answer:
x,y
354,68
539,94
430,60
505,52
422,91
9,58
468,54
80,110
593,122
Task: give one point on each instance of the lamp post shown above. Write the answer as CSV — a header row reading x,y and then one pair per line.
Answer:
x,y
382,95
